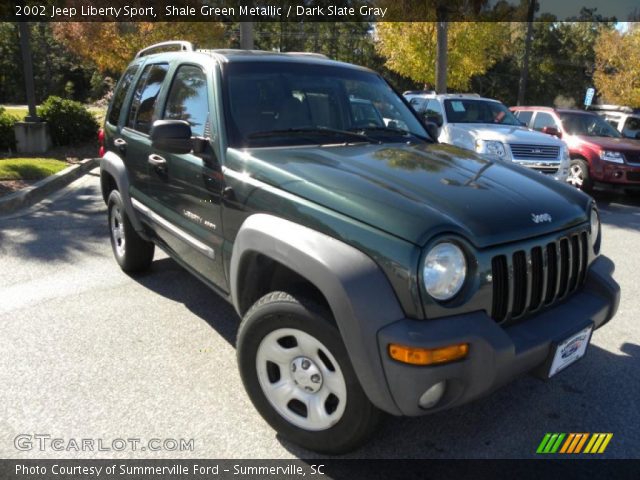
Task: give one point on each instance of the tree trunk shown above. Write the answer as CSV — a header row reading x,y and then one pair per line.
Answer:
x,y
25,46
246,35
441,52
524,73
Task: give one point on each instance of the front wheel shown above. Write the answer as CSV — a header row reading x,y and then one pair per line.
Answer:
x,y
298,375
579,175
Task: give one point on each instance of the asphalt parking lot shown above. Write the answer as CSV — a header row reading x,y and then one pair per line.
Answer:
x,y
89,352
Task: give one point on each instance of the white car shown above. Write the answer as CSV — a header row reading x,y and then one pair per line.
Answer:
x,y
487,126
624,119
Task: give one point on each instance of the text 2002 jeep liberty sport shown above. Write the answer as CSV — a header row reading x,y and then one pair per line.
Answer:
x,y
374,269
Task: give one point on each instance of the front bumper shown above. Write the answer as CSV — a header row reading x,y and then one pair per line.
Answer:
x,y
496,354
618,174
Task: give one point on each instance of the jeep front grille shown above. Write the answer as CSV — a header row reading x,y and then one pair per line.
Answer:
x,y
522,151
528,280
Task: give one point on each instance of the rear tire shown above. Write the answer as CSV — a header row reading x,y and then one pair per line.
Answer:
x,y
296,371
133,253
579,175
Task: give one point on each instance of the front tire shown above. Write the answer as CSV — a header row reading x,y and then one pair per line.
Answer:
x,y
296,370
579,175
133,253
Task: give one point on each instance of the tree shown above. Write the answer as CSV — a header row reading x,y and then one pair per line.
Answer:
x,y
473,47
54,65
110,46
617,69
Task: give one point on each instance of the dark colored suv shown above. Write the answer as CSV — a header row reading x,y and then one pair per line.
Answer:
x,y
599,153
374,269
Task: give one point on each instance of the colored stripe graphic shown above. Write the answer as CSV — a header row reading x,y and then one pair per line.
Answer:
x,y
598,443
568,442
581,442
550,443
574,443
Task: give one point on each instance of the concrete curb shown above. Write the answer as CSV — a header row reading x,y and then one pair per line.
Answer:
x,y
39,190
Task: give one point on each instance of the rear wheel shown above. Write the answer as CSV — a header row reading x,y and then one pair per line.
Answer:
x,y
133,253
579,175
298,375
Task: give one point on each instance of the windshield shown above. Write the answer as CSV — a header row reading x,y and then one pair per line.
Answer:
x,y
464,110
285,104
588,125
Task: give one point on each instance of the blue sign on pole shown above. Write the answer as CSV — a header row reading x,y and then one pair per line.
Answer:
x,y
588,98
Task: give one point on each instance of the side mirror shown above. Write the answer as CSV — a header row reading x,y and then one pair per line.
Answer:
x,y
552,131
432,130
172,136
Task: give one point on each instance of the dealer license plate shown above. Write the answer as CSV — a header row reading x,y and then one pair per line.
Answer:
x,y
570,350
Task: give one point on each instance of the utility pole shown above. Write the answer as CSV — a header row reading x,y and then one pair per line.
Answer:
x,y
25,48
441,53
524,73
246,35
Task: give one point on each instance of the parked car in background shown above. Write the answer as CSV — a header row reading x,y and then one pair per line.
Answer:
x,y
487,126
624,119
599,154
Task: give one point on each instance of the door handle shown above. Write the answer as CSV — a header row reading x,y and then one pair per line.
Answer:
x,y
120,143
157,161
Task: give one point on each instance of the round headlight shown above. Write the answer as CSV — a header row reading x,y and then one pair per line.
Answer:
x,y
594,222
445,269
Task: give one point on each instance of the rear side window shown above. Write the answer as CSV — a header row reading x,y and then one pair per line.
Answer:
x,y
120,94
188,99
543,120
145,97
524,116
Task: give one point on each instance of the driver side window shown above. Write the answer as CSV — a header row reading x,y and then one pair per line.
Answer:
x,y
188,100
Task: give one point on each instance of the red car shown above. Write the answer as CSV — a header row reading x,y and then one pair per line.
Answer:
x,y
599,153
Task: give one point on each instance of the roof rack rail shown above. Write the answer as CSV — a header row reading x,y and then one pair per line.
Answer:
x,y
308,54
613,108
418,92
184,46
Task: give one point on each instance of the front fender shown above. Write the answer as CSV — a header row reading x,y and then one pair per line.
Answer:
x,y
359,294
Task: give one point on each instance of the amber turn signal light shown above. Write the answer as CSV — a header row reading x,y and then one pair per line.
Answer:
x,y
428,356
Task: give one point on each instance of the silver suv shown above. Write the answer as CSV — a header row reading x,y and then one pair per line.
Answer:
x,y
487,126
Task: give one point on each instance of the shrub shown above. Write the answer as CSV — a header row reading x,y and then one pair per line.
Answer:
x,y
7,135
69,122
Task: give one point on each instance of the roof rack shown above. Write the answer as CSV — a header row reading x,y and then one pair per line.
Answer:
x,y
612,108
308,54
184,46
418,92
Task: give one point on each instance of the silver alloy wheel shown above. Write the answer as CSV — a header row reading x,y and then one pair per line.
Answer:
x,y
575,178
117,230
301,379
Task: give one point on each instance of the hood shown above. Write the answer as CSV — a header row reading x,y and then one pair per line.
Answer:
x,y
507,133
607,143
416,192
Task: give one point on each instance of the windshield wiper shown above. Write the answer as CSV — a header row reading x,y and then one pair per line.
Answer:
x,y
334,132
391,131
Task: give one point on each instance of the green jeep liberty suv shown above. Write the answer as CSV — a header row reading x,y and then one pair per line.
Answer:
x,y
374,269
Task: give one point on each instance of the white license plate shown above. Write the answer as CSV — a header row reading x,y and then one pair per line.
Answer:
x,y
570,350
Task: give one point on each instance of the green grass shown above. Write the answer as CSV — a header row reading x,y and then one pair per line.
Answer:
x,y
18,112
29,168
